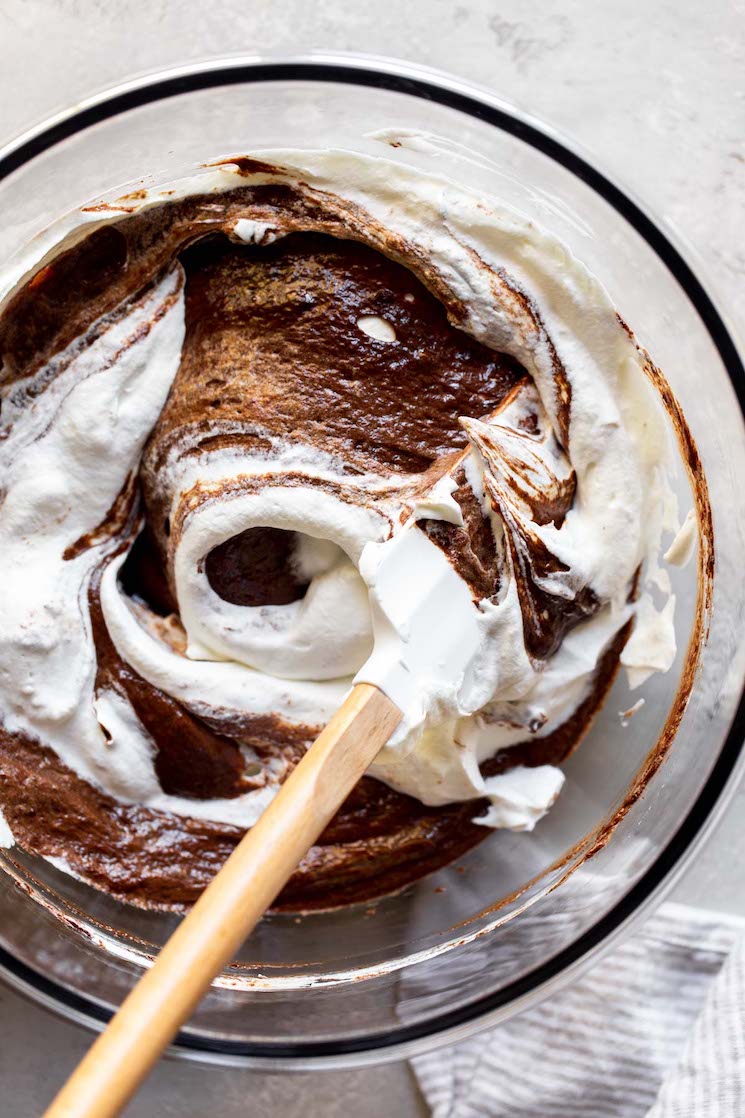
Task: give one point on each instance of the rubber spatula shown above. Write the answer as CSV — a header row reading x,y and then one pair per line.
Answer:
x,y
426,630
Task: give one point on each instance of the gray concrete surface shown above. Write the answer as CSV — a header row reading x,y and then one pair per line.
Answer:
x,y
655,91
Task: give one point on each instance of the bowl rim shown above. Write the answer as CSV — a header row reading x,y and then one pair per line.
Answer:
x,y
399,76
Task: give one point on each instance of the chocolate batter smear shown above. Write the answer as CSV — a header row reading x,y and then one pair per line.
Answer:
x,y
257,567
273,335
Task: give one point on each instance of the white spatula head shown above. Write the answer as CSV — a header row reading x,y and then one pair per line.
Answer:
x,y
428,630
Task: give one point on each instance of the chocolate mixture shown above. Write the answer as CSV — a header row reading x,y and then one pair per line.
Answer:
x,y
272,345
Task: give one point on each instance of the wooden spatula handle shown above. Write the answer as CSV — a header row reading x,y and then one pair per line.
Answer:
x,y
208,938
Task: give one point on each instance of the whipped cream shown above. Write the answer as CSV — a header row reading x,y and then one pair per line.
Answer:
x,y
584,483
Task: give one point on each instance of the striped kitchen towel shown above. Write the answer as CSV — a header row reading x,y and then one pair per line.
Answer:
x,y
655,1030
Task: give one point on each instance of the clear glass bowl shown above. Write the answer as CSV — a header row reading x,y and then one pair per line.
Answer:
x,y
522,913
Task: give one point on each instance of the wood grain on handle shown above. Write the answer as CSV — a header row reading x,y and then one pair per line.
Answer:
x,y
209,937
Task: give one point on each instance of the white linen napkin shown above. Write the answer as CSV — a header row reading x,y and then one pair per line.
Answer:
x,y
655,1030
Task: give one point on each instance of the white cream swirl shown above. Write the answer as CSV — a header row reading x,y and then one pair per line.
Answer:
x,y
601,445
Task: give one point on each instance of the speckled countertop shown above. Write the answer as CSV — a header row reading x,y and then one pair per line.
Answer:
x,y
655,92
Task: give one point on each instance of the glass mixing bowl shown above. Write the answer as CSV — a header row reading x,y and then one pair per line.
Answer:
x,y
522,913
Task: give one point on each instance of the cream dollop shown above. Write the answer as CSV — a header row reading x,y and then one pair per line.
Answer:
x,y
587,486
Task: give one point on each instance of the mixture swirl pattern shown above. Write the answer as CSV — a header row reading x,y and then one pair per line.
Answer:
x,y
221,402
